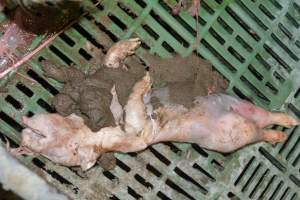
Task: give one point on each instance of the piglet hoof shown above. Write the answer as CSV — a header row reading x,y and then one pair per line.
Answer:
x,y
273,136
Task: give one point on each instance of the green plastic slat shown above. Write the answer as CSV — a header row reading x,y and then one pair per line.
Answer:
x,y
248,20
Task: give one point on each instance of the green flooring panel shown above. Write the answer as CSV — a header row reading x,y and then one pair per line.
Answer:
x,y
254,44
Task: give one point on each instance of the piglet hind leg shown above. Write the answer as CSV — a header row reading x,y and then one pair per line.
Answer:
x,y
262,117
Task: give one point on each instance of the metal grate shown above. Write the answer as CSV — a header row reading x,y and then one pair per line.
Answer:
x,y
253,44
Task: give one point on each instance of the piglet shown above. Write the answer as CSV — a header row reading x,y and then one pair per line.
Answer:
x,y
217,122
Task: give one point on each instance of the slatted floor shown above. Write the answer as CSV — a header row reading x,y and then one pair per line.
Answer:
x,y
254,44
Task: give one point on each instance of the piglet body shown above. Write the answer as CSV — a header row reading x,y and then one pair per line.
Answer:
x,y
222,123
217,122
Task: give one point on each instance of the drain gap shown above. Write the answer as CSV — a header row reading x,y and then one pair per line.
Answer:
x,y
251,14
158,155
294,110
292,20
88,36
241,95
53,174
117,21
255,73
286,192
15,103
277,58
200,150
277,189
143,181
273,160
242,24
172,147
287,140
225,25
265,174
162,196
178,189
113,37
263,62
255,90
46,106
232,196
266,12
150,31
167,47
272,88
295,180
284,47
153,170
25,90
43,82
109,175
238,56
133,193
67,39
218,56
85,54
199,168
261,196
141,3
244,170
216,36
127,10
217,165
190,179
169,29
10,121
292,149
5,138
250,180
61,55
122,165
285,31
244,43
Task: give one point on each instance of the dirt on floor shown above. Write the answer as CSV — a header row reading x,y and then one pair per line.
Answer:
x,y
88,95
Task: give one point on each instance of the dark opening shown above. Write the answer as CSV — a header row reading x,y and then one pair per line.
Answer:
x,y
67,39
46,106
85,54
88,36
117,21
133,193
178,189
244,170
159,156
42,81
15,103
162,196
122,165
199,168
61,55
25,90
143,181
273,160
10,121
153,170
190,179
169,29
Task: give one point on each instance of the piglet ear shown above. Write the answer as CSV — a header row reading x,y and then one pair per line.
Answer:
x,y
25,120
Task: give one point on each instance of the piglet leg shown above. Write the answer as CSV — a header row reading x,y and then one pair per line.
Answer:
x,y
261,117
116,107
136,116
